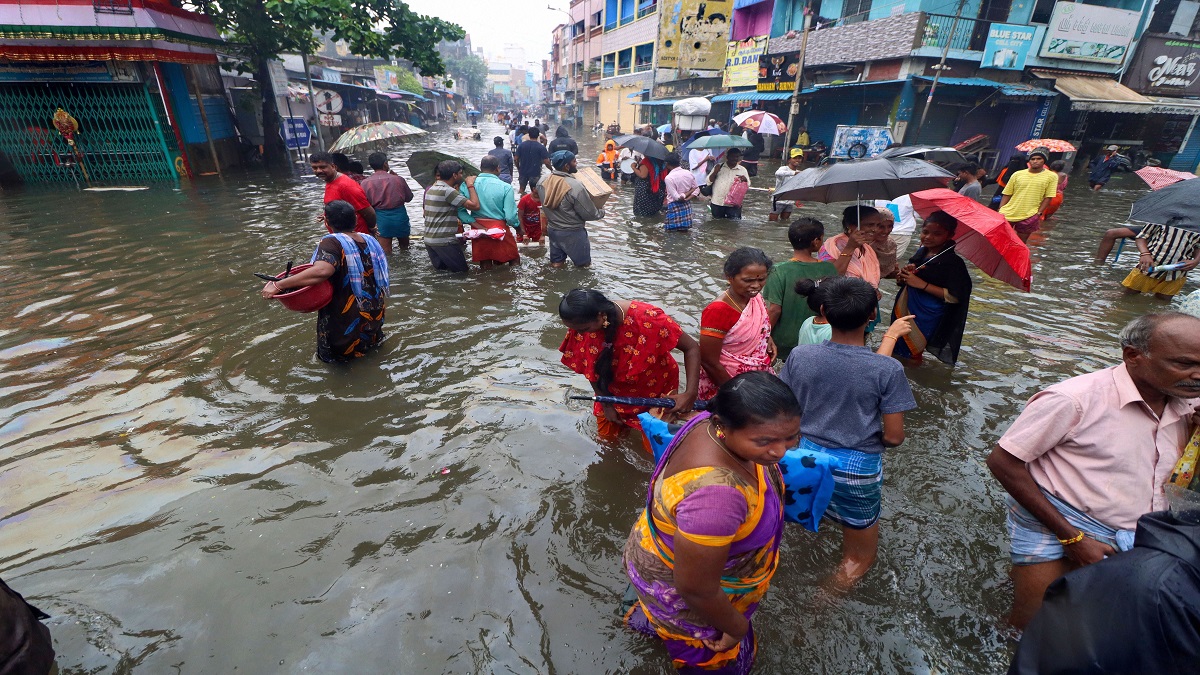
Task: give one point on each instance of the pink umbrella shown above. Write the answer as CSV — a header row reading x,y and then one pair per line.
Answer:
x,y
1157,177
984,236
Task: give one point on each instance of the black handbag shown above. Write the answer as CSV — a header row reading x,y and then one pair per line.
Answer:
x,y
706,189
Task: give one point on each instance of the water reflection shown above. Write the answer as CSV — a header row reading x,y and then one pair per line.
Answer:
x,y
186,486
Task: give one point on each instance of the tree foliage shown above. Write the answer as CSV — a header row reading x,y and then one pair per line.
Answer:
x,y
261,30
471,71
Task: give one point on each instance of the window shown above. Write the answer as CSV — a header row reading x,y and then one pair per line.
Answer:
x,y
610,14
646,7
855,11
577,29
625,61
1177,17
643,57
1042,10
610,65
597,19
628,10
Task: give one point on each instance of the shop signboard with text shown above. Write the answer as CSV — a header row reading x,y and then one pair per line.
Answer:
x,y
777,72
1165,66
1080,32
1007,46
741,62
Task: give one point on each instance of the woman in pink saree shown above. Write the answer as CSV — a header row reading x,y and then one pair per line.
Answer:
x,y
735,330
850,251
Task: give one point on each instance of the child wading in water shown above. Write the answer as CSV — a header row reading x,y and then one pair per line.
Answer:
x,y
854,402
816,328
533,220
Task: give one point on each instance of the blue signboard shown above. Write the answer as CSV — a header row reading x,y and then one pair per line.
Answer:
x,y
1007,46
296,133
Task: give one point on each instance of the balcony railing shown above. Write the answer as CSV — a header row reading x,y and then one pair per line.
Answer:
x,y
647,9
970,35
642,67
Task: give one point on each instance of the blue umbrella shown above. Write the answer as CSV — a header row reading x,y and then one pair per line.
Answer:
x,y
666,128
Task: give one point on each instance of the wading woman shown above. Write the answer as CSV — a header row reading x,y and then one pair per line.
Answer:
x,y
623,347
735,329
935,288
702,553
351,324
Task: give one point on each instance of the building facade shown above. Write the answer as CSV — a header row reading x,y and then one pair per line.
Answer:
x,y
110,92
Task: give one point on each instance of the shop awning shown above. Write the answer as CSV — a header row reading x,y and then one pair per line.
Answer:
x,y
1164,105
387,94
753,96
867,83
419,97
665,102
1098,94
1006,88
638,93
740,4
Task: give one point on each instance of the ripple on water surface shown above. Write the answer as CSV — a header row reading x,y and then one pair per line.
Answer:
x,y
186,486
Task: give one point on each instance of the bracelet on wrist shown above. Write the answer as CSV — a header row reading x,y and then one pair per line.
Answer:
x,y
1073,540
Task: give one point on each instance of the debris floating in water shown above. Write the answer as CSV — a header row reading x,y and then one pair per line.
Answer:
x,y
445,470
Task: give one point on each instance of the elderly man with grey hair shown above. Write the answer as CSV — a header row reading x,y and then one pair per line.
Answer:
x,y
1089,456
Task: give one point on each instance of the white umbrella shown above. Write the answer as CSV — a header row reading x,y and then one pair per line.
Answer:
x,y
762,122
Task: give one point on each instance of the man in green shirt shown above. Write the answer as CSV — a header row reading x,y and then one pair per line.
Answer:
x,y
1028,193
787,308
497,209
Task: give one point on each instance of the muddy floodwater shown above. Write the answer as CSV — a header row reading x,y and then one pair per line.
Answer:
x,y
186,488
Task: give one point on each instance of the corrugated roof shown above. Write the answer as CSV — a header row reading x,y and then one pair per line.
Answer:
x,y
1006,88
1098,93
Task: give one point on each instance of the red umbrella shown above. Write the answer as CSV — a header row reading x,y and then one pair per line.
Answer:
x,y
1051,144
984,236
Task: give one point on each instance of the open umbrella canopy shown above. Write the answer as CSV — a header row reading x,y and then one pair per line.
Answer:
x,y
984,236
929,153
1174,205
719,142
1157,177
422,166
665,128
762,122
1051,144
375,132
702,134
876,178
645,145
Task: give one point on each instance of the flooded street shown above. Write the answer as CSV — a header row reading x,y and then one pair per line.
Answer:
x,y
186,488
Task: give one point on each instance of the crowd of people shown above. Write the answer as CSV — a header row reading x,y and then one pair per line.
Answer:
x,y
1082,466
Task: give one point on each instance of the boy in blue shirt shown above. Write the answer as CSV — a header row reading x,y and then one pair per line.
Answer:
x,y
853,403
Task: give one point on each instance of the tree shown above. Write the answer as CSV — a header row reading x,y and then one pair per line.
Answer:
x,y
472,72
261,30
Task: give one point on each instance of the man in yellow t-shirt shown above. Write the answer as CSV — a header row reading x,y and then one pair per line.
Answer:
x,y
1028,193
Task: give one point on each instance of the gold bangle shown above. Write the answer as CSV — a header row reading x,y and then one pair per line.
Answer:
x,y
1073,540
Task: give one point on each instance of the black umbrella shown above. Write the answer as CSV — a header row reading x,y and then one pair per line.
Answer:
x,y
648,147
422,166
875,178
1175,205
929,153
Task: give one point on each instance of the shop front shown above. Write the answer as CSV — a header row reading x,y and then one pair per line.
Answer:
x,y
1166,69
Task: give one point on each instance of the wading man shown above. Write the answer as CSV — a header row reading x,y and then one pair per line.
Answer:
x,y
1089,456
1028,193
340,186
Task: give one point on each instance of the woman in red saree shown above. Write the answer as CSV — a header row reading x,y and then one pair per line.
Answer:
x,y
735,329
623,348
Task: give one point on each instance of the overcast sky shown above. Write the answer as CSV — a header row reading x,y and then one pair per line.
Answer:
x,y
492,24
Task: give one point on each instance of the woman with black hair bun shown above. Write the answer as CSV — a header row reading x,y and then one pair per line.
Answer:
x,y
702,553
623,347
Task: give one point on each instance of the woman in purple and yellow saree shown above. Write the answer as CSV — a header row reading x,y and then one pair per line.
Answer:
x,y
701,555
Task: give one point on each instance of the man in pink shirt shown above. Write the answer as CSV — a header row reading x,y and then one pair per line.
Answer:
x,y
1090,455
681,189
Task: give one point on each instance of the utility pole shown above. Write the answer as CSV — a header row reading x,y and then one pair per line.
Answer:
x,y
794,112
937,70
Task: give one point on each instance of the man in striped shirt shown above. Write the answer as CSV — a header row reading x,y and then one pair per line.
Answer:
x,y
1163,246
441,204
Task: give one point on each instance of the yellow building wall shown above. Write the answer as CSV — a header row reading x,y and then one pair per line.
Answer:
x,y
617,108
